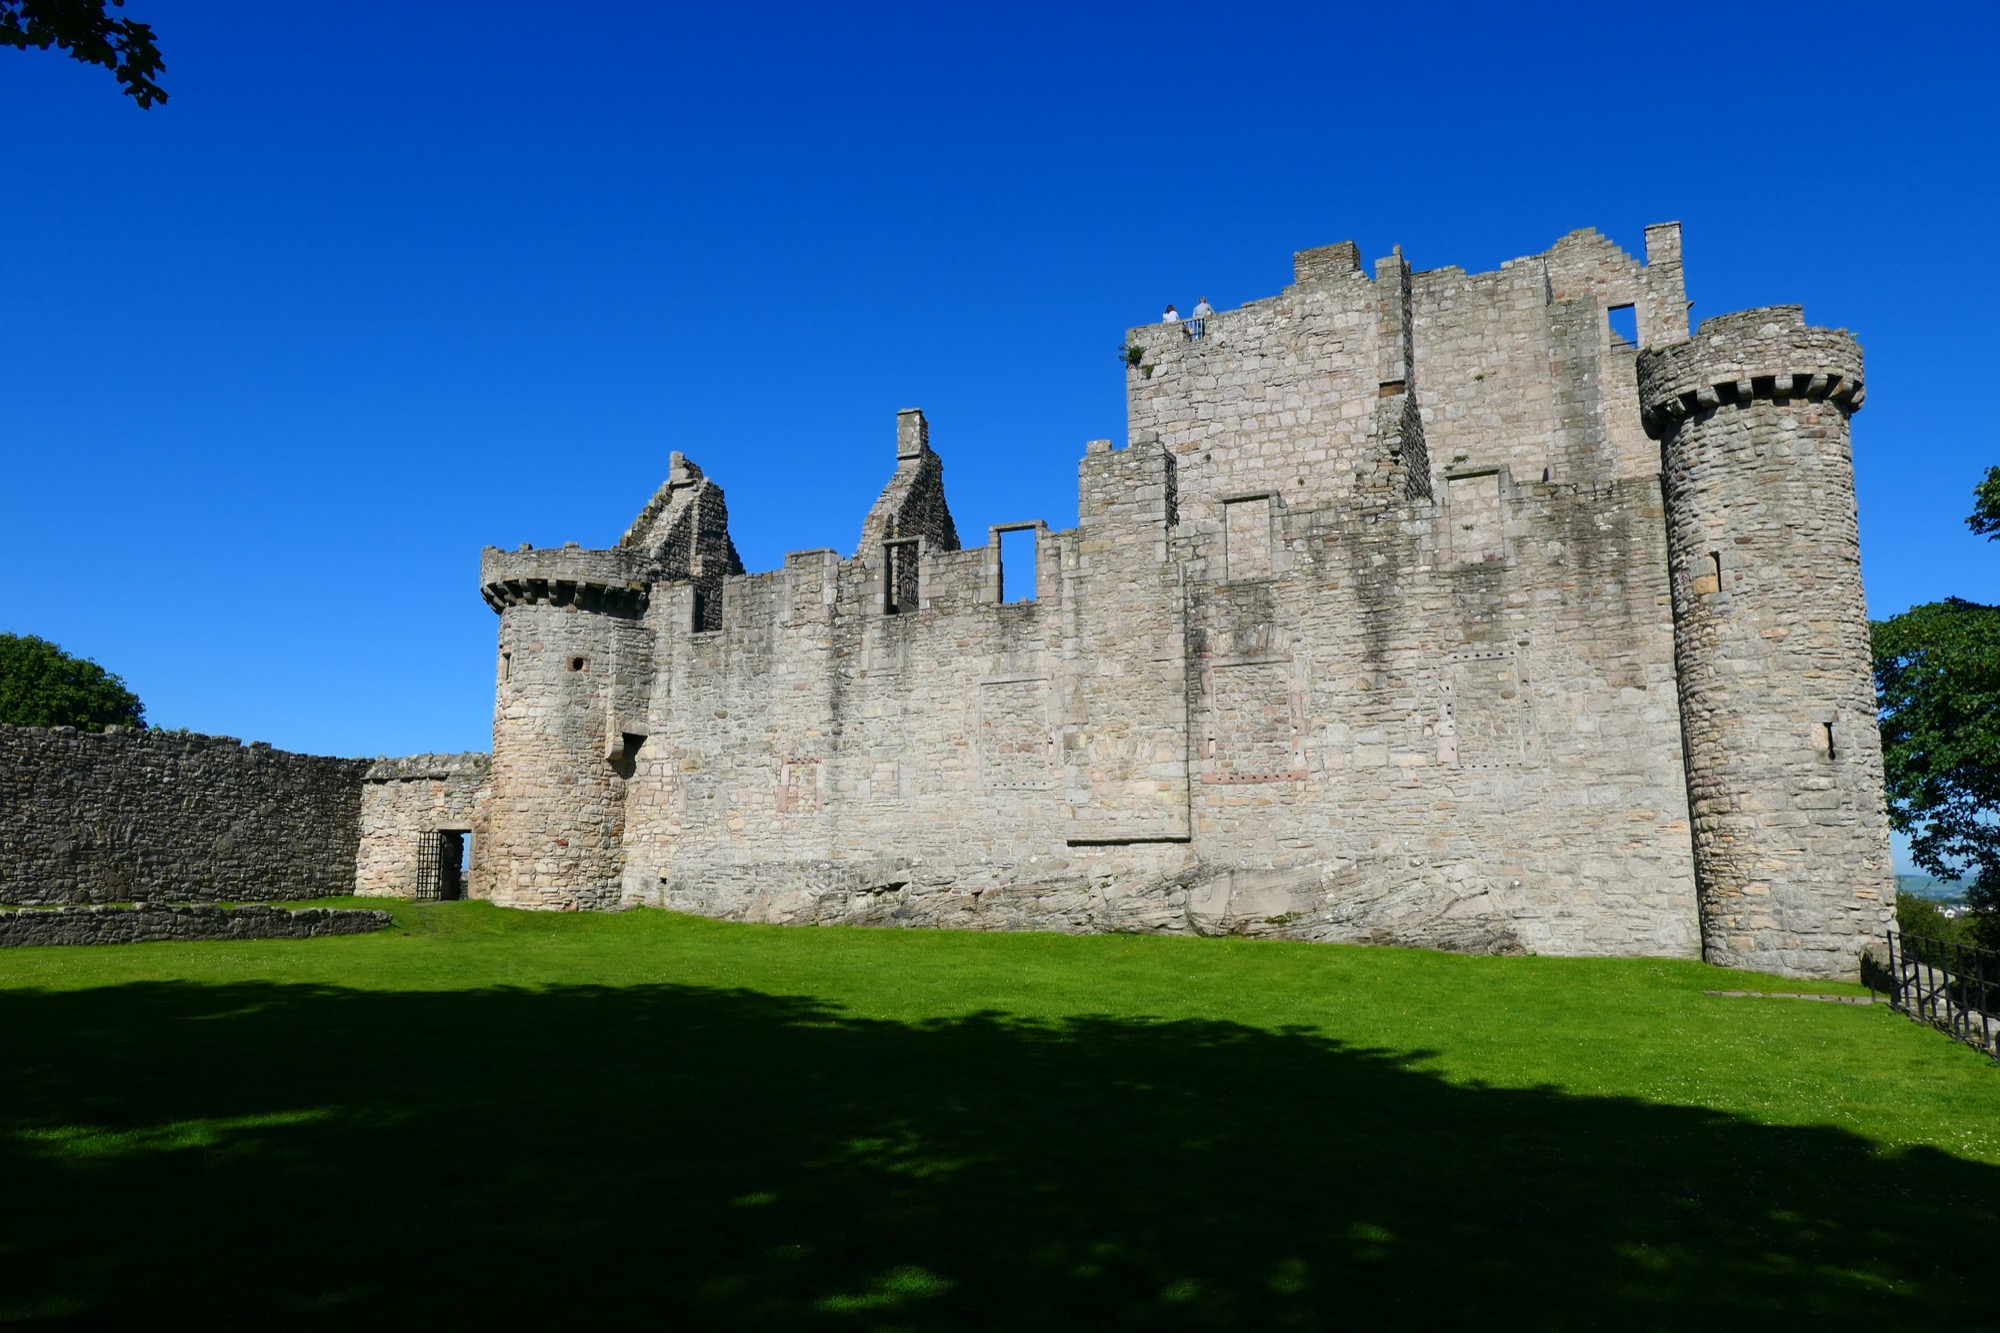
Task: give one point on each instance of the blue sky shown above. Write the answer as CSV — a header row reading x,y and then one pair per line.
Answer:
x,y
280,356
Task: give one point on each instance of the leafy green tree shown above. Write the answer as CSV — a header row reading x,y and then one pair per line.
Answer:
x,y
87,30
43,686
1937,683
1985,518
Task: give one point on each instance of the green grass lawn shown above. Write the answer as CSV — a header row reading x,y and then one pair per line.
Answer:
x,y
583,1119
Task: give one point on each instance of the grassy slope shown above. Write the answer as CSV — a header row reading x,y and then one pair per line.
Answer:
x,y
505,1114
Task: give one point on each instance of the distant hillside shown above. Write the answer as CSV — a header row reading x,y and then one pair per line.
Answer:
x,y
1937,890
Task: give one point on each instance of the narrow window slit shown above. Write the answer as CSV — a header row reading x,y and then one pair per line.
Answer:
x,y
900,576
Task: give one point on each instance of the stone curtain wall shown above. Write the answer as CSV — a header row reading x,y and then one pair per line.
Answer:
x,y
134,815
150,924
404,801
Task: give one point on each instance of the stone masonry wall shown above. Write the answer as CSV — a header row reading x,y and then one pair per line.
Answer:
x,y
136,815
153,924
403,802
1374,741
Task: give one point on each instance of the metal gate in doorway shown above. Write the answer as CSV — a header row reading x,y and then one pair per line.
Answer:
x,y
441,865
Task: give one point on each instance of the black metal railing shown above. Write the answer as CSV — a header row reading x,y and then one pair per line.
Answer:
x,y
1953,987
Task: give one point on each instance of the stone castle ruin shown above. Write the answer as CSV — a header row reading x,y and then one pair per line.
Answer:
x,y
1421,607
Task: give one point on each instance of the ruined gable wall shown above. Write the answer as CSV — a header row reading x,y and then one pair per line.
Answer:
x,y
1485,386
1519,367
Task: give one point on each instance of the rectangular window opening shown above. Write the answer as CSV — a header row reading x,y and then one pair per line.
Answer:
x,y
900,590
706,612
1018,565
1246,539
1624,321
506,667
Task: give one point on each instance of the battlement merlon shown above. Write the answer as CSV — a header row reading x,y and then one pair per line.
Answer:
x,y
1135,485
614,582
1769,352
1326,262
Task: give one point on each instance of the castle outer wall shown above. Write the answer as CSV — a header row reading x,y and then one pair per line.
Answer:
x,y
121,816
1373,632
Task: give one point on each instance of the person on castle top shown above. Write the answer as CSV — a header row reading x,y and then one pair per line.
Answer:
x,y
1202,309
1172,316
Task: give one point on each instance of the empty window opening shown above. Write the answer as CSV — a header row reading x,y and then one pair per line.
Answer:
x,y
900,589
1018,550
704,612
506,667
1474,505
1823,740
578,663
1246,539
1624,321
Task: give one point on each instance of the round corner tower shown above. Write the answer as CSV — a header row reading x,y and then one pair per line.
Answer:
x,y
1791,836
573,667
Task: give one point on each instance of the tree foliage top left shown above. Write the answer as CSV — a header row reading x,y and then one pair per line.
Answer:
x,y
43,686
89,32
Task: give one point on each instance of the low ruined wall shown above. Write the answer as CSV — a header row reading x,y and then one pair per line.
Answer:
x,y
121,816
150,924
403,802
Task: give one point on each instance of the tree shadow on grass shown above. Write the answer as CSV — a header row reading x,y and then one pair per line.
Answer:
x,y
284,1155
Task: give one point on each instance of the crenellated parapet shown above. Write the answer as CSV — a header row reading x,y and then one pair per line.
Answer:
x,y
1767,353
612,582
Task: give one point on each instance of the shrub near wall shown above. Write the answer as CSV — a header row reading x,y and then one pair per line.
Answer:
x,y
135,815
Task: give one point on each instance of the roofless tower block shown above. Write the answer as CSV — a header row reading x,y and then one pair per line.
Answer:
x,y
1383,627
1791,840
